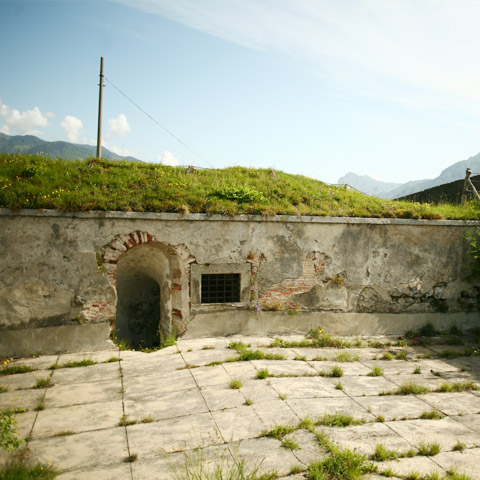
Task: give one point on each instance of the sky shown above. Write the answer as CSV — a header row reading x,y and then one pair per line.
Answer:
x,y
386,88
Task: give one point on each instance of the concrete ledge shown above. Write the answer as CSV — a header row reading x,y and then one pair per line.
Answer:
x,y
172,217
268,323
52,340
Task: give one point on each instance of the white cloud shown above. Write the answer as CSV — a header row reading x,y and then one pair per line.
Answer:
x,y
122,151
401,50
167,158
72,127
118,127
23,123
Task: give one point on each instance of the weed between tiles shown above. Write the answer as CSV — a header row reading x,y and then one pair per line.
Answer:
x,y
15,369
376,372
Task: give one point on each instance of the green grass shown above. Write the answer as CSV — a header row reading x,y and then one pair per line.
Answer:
x,y
125,421
279,431
290,444
459,446
25,471
32,181
431,415
381,454
262,373
457,387
338,420
80,363
235,384
336,372
3,388
429,449
346,357
245,354
14,369
410,388
43,383
376,372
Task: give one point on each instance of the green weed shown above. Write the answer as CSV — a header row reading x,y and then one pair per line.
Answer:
x,y
43,383
429,449
290,443
338,420
376,372
15,369
431,415
235,384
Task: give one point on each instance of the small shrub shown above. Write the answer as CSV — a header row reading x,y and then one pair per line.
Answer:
x,y
235,384
376,372
8,431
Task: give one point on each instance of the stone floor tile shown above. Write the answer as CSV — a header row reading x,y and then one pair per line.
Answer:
x,y
258,391
395,407
82,450
365,438
75,394
25,423
78,418
139,386
267,455
23,380
437,365
465,462
348,368
238,423
445,431
405,466
453,403
113,472
392,367
219,397
152,364
92,373
305,387
274,413
208,376
286,367
203,357
471,421
148,440
240,370
318,407
27,399
166,405
358,386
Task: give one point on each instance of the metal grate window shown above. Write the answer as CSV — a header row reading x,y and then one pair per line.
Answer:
x,y
220,287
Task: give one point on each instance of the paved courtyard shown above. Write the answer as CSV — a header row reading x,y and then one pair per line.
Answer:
x,y
156,408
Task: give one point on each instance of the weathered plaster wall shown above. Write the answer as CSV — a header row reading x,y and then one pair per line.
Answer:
x,y
350,275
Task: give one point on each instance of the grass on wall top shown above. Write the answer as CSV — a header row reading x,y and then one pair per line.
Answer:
x,y
30,181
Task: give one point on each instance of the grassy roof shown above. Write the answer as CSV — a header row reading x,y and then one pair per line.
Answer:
x,y
30,181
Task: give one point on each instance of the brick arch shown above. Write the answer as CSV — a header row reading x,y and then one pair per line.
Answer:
x,y
179,261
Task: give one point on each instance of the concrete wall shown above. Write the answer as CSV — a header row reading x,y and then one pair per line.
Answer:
x,y
59,274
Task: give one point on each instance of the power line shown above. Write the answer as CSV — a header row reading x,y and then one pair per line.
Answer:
x,y
158,123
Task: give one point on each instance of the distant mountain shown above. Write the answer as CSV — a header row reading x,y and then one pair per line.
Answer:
x,y
369,185
31,145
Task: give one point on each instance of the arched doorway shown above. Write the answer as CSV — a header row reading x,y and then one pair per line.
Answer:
x,y
143,296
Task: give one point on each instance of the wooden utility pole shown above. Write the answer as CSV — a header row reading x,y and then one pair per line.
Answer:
x,y
99,132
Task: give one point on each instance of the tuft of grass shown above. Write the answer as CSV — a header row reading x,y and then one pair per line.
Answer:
x,y
208,347
401,355
410,388
43,383
23,470
336,372
382,453
235,384
459,446
64,433
387,356
263,373
278,432
380,418
302,358
342,464
40,405
431,415
282,396
457,387
338,420
188,366
147,419
213,364
290,443
346,357
3,388
376,372
339,386
125,422
429,449
15,369
294,469
80,363
246,355
131,458
417,370
112,360
248,402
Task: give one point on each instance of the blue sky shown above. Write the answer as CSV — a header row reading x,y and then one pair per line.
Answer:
x,y
387,88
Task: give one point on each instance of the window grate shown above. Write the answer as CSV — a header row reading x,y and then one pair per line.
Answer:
x,y
220,287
